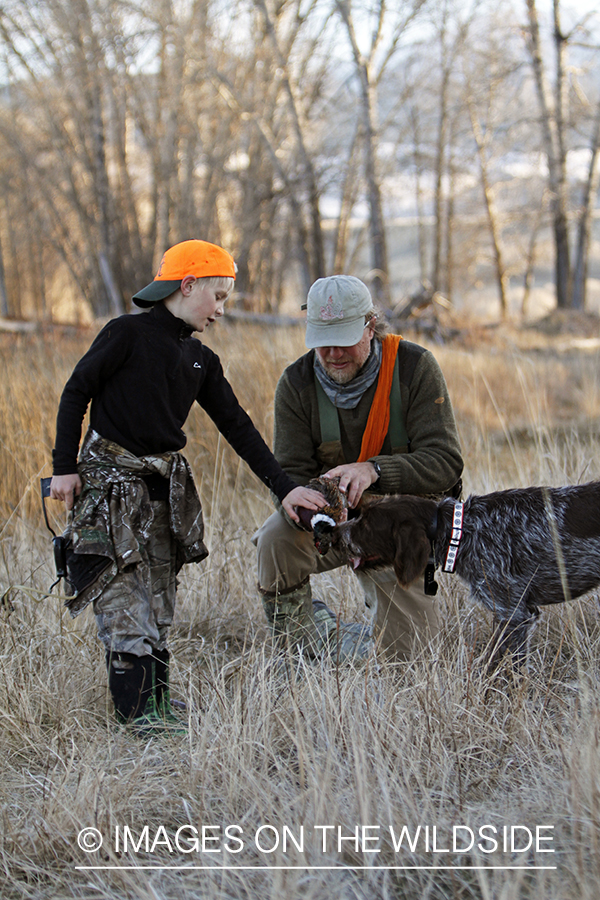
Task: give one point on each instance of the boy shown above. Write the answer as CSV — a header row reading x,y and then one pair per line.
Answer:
x,y
138,518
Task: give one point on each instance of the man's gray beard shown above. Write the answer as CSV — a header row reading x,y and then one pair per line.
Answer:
x,y
341,377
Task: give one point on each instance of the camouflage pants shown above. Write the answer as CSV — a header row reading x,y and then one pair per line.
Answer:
x,y
401,616
134,612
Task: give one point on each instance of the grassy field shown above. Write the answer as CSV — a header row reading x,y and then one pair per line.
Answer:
x,y
298,783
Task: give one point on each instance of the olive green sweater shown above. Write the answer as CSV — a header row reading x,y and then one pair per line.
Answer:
x,y
433,463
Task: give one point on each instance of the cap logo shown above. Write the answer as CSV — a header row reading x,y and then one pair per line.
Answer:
x,y
333,309
160,268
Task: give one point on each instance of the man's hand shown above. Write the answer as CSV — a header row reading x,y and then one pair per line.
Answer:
x,y
65,487
355,478
302,496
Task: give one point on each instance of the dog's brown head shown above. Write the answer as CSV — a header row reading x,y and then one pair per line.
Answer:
x,y
390,531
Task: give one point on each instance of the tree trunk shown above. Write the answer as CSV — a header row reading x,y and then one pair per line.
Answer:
x,y
448,290
271,146
316,249
3,294
438,201
531,251
348,199
379,255
491,211
368,116
553,128
585,220
418,160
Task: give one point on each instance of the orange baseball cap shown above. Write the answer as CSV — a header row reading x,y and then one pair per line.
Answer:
x,y
198,258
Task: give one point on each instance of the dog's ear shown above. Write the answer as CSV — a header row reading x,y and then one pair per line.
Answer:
x,y
412,553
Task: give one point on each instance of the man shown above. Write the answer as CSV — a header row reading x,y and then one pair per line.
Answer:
x,y
331,418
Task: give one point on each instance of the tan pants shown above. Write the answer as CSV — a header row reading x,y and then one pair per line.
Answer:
x,y
287,555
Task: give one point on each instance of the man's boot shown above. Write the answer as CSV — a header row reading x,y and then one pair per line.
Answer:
x,y
290,615
346,642
298,621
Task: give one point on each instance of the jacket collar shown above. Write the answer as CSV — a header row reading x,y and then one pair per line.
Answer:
x,y
164,319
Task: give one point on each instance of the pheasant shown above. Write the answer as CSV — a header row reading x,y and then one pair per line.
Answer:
x,y
321,523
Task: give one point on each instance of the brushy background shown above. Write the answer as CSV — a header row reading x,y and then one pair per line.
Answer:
x,y
427,743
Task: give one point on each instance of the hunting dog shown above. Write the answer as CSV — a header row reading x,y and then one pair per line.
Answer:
x,y
517,549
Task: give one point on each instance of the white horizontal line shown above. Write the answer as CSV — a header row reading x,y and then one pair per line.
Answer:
x,y
313,868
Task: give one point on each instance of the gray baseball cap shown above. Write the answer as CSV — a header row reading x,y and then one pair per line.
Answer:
x,y
336,309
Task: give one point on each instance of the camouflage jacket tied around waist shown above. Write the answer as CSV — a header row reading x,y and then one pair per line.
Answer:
x,y
113,515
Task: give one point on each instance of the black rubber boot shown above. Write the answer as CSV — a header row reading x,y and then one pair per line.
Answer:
x,y
130,679
133,685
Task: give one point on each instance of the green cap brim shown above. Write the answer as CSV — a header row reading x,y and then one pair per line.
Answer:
x,y
155,291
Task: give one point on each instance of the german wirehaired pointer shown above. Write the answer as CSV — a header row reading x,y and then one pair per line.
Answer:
x,y
517,549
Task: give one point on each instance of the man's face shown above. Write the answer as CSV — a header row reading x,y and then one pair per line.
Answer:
x,y
342,364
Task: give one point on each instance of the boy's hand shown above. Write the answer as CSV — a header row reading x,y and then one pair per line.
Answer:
x,y
305,497
65,487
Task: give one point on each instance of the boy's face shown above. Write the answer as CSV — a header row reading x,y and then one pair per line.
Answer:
x,y
197,304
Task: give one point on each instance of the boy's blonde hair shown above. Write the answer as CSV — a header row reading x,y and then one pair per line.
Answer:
x,y
219,282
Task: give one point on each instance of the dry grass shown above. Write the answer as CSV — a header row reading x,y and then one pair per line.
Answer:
x,y
427,744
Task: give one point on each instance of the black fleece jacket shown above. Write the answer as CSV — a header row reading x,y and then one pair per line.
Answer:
x,y
142,375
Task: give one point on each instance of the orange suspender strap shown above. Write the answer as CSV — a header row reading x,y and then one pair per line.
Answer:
x,y
379,417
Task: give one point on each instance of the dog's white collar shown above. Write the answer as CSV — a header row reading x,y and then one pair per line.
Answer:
x,y
455,538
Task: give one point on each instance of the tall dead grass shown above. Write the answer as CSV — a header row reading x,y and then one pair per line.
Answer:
x,y
275,751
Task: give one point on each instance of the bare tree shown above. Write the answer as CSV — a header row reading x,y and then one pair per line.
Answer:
x,y
59,133
420,165
127,126
3,294
451,33
349,196
4,190
490,67
112,151
590,192
556,120
370,64
555,147
298,126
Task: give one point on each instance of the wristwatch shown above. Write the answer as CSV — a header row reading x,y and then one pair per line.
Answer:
x,y
377,468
